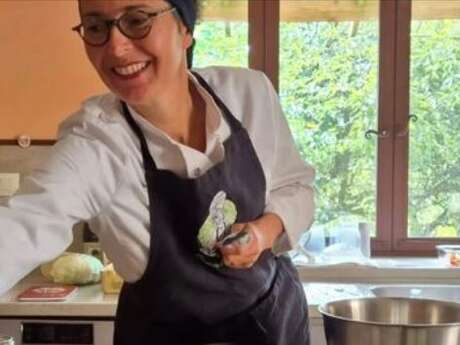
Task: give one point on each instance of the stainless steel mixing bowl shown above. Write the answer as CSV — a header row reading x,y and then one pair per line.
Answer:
x,y
391,321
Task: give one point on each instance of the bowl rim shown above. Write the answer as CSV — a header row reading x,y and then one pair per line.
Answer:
x,y
322,310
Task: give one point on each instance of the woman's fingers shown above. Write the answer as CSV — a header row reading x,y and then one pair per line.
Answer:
x,y
235,261
244,243
244,252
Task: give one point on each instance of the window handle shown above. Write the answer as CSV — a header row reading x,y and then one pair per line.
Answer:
x,y
404,132
380,134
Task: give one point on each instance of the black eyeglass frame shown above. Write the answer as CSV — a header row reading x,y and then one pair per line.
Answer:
x,y
110,23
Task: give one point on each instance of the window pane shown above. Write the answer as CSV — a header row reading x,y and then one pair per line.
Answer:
x,y
434,173
222,34
328,88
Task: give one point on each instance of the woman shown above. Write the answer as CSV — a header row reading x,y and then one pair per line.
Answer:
x,y
190,179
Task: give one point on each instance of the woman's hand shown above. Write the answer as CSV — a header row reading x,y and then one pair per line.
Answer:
x,y
262,233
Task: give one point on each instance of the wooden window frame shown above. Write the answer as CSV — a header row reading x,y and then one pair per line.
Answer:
x,y
401,242
382,243
264,17
393,111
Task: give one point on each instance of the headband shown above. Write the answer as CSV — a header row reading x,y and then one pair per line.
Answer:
x,y
187,12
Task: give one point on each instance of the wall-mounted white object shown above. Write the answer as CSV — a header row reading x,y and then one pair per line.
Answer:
x,y
24,141
9,183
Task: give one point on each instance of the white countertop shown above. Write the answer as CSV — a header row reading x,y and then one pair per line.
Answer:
x,y
91,302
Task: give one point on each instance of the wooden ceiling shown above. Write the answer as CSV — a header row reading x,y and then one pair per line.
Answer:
x,y
329,10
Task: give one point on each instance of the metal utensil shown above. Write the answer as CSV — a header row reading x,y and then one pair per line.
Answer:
x,y
391,321
242,237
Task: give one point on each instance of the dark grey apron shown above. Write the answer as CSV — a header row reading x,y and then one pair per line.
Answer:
x,y
180,300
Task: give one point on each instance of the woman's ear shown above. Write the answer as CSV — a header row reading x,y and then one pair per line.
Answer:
x,y
188,40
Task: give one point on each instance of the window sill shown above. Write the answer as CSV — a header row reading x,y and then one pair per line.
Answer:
x,y
382,270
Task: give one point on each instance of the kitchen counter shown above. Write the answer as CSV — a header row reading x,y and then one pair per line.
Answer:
x,y
91,302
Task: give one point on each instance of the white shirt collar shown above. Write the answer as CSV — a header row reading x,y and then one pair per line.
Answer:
x,y
214,124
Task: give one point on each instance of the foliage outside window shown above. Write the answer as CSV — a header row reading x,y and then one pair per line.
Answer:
x,y
222,39
328,71
328,87
434,198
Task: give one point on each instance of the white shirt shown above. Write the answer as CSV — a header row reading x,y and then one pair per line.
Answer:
x,y
95,174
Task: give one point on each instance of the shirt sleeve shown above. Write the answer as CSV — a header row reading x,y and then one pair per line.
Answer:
x,y
291,193
71,185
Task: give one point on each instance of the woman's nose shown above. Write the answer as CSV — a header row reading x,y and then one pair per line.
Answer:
x,y
118,43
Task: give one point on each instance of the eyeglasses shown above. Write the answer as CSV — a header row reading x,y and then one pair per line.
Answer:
x,y
135,24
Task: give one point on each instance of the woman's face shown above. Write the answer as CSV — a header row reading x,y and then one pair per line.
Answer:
x,y
137,70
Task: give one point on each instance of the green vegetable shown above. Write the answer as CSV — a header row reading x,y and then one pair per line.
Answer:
x,y
73,268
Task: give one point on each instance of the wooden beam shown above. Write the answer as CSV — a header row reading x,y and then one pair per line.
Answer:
x,y
256,18
329,10
272,19
218,10
435,9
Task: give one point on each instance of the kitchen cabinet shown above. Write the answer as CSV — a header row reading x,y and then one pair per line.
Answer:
x,y
45,73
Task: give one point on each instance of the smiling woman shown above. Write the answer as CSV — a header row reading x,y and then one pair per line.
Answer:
x,y
190,178
154,60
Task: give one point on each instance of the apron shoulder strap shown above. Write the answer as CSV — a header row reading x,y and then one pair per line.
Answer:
x,y
233,122
149,163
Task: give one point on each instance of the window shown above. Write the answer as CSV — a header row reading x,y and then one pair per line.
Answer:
x,y
328,87
222,34
434,141
345,68
426,144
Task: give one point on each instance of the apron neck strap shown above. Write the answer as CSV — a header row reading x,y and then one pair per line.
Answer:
x,y
149,163
234,124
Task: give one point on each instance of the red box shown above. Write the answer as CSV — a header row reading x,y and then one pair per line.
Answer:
x,y
41,293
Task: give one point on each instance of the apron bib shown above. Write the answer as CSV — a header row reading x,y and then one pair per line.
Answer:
x,y
182,300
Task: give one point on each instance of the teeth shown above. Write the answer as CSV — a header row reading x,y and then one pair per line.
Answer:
x,y
131,69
